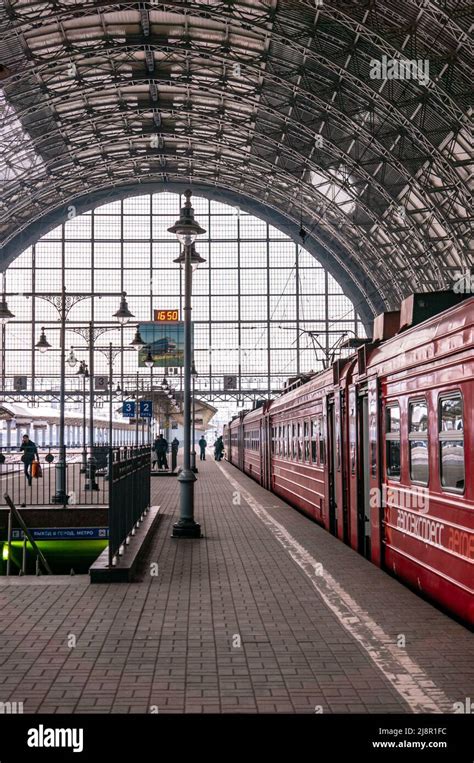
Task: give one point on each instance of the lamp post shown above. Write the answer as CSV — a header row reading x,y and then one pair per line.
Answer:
x,y
194,374
64,302
149,362
186,230
84,372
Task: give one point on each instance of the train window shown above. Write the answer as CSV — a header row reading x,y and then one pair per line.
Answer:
x,y
314,441
293,442
451,443
322,444
418,441
392,437
393,419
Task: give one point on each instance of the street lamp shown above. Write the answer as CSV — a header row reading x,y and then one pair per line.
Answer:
x,y
137,341
149,362
72,360
186,230
194,374
5,314
123,314
42,344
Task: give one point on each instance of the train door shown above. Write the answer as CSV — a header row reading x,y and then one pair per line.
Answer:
x,y
342,502
332,465
265,450
363,497
352,467
241,443
376,510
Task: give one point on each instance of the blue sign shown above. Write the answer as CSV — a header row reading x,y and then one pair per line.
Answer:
x,y
146,409
128,409
64,533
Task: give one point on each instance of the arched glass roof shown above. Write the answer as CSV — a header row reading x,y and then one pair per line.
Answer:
x,y
347,118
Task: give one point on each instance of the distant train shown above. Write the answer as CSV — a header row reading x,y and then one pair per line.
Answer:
x,y
379,449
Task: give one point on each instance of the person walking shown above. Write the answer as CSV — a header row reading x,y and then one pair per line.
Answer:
x,y
202,446
219,448
30,452
161,449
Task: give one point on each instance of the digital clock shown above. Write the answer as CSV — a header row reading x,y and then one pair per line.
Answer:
x,y
166,315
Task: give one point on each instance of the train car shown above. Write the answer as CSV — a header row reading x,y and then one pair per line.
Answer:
x,y
416,441
380,448
253,440
234,452
298,421
256,444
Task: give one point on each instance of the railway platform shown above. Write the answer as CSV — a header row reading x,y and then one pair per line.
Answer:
x,y
267,613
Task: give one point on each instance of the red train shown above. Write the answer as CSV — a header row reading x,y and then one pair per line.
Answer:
x,y
379,449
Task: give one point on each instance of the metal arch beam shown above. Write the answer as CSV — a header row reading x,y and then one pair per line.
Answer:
x,y
339,248
352,287
290,31
444,222
385,106
308,162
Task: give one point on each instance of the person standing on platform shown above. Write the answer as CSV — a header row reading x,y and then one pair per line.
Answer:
x,y
30,452
202,446
161,448
219,448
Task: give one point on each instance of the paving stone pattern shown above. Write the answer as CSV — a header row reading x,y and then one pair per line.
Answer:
x,y
170,643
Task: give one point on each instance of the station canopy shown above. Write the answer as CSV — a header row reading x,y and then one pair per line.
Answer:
x,y
305,112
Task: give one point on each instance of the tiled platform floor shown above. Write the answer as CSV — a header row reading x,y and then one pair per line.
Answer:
x,y
267,613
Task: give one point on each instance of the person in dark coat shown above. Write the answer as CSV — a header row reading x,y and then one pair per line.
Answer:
x,y
202,447
30,452
161,449
219,448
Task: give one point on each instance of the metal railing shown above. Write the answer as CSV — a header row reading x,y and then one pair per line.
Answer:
x,y
129,495
27,536
40,491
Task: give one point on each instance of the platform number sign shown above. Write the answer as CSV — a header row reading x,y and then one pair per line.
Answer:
x,y
146,409
100,383
128,409
20,383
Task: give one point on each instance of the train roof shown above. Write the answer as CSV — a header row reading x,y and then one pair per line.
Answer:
x,y
449,331
409,347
